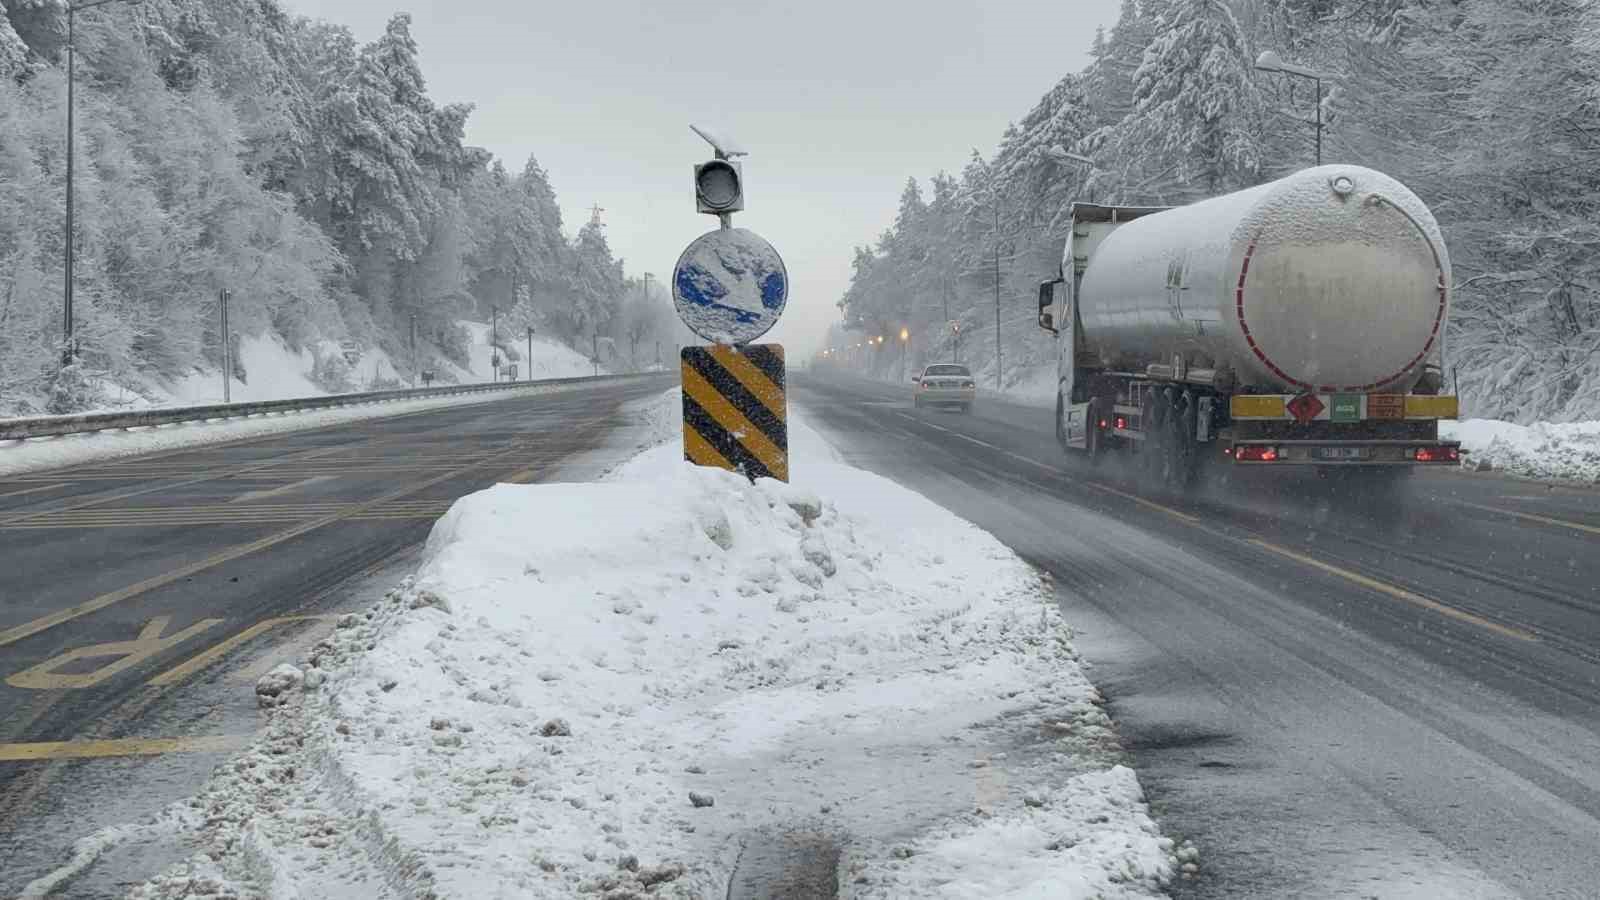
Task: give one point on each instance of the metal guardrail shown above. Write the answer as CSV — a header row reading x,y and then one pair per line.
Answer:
x,y
50,426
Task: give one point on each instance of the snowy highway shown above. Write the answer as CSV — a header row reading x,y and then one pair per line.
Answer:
x,y
143,595
1332,694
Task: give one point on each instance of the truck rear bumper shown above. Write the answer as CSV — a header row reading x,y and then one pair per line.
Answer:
x,y
1371,453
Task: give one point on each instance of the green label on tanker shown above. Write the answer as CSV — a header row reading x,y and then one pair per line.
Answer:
x,y
1346,408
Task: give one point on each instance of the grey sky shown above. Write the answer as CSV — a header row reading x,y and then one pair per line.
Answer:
x,y
836,100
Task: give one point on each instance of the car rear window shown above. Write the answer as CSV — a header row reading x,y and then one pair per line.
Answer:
x,y
947,370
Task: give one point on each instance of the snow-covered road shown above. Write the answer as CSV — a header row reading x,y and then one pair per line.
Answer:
x,y
676,683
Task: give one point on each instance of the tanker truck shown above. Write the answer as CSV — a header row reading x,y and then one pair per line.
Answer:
x,y
1296,323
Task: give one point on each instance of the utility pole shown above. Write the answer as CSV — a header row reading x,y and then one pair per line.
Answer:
x,y
595,350
494,349
413,350
530,352
227,346
996,203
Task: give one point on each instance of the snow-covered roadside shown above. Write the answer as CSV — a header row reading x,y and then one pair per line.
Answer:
x,y
1556,451
646,686
18,457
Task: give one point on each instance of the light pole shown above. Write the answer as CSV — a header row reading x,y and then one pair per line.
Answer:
x,y
413,350
1269,61
69,350
530,352
994,205
494,335
905,344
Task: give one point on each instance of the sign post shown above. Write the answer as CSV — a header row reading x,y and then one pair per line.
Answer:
x,y
729,287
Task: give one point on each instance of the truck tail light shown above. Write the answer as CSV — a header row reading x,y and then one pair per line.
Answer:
x,y
1256,453
1438,454
1121,422
1103,424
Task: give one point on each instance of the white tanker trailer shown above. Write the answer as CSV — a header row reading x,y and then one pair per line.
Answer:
x,y
1294,323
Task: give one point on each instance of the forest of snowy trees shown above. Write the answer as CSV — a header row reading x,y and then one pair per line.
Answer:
x,y
229,144
1488,109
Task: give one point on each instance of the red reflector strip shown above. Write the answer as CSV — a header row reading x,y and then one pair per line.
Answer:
x,y
1254,453
1438,454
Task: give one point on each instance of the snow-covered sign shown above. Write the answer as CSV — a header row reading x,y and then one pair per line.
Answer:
x,y
730,286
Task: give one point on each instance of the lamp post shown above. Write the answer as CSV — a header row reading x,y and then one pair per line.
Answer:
x,y
905,344
994,204
69,350
1269,61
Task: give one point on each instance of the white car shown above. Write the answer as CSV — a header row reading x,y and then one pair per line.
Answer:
x,y
945,384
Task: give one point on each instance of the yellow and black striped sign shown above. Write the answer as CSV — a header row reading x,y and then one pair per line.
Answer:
x,y
734,411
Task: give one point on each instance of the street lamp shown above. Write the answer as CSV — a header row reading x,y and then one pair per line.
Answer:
x,y
994,203
69,350
1269,61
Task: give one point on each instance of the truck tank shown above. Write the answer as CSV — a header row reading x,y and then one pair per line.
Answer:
x,y
1333,279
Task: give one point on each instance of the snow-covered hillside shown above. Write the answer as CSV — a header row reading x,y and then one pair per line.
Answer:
x,y
551,359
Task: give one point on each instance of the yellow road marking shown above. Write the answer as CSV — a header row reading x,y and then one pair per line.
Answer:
x,y
43,677
35,490
1563,523
283,651
27,629
208,656
754,380
1398,593
43,750
279,490
1150,504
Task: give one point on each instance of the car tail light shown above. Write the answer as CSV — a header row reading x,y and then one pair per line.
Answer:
x,y
1256,453
1103,424
967,384
1438,454
1121,422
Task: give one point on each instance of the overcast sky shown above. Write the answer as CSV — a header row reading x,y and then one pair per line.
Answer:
x,y
836,100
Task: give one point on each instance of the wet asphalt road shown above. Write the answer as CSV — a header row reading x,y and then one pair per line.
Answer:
x,y
141,597
1334,692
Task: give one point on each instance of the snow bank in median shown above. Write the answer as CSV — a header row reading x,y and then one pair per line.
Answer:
x,y
1568,452
646,686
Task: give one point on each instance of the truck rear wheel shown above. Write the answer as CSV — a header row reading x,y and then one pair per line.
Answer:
x,y
1171,440
1092,436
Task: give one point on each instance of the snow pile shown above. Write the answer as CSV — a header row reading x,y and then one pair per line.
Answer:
x,y
1566,452
646,686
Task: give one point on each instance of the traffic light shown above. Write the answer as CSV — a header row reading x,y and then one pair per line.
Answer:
x,y
719,187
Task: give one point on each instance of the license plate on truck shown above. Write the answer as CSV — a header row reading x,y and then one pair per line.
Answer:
x,y
1341,453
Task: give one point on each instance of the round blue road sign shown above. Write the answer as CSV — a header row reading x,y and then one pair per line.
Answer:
x,y
730,286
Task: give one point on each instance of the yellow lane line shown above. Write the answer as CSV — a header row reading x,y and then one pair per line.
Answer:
x,y
35,490
1562,523
206,657
1149,504
43,750
27,629
1398,593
